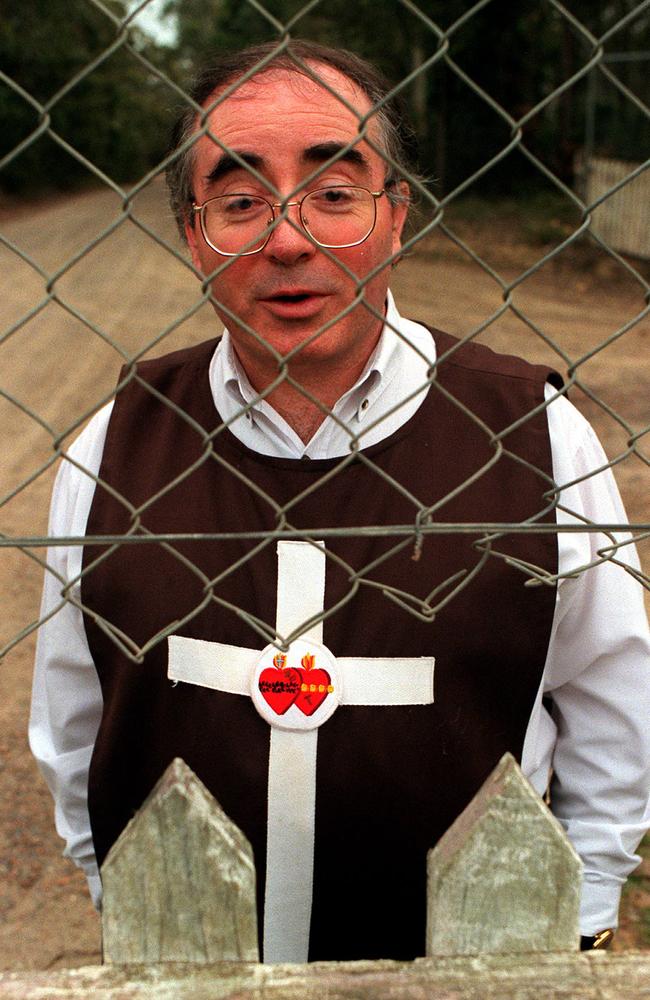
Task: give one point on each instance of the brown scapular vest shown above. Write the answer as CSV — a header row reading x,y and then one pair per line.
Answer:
x,y
390,780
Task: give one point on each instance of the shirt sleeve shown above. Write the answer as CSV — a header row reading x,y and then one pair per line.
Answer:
x,y
66,696
598,675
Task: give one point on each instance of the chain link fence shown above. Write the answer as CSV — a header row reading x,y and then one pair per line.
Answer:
x,y
125,215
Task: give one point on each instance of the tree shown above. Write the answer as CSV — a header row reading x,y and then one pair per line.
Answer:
x,y
115,116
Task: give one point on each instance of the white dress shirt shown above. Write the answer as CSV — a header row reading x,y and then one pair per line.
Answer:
x,y
597,667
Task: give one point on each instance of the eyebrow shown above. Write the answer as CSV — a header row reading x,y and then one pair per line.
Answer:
x,y
321,152
324,151
227,164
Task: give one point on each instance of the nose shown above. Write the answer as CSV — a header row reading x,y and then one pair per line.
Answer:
x,y
289,243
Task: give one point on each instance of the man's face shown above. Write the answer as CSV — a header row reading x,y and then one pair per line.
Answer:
x,y
286,125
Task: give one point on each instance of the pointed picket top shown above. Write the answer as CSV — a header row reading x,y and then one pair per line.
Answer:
x,y
504,878
179,883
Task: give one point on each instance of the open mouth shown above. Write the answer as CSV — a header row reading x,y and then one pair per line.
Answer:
x,y
300,297
300,304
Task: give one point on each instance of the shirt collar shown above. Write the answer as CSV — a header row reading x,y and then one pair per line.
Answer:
x,y
378,372
388,392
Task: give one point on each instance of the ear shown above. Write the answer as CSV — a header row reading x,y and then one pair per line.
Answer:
x,y
194,239
400,212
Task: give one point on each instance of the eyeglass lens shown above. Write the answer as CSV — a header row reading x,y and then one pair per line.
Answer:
x,y
334,217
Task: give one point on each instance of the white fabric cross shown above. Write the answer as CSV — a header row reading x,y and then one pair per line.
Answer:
x,y
292,755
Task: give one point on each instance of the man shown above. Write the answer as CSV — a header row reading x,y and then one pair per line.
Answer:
x,y
318,412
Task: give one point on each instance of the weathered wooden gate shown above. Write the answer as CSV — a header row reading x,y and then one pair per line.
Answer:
x,y
179,918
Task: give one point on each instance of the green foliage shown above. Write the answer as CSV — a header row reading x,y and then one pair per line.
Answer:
x,y
115,116
518,54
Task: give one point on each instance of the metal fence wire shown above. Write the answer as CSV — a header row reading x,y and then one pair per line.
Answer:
x,y
48,287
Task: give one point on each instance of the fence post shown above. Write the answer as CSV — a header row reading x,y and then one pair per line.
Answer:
x,y
504,878
179,883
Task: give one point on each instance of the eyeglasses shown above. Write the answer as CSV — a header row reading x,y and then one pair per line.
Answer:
x,y
339,216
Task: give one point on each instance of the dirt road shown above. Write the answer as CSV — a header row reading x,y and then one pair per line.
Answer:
x,y
57,369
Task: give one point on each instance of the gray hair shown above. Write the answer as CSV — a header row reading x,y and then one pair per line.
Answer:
x,y
396,136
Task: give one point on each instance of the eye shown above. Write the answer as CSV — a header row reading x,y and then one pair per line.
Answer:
x,y
329,199
241,205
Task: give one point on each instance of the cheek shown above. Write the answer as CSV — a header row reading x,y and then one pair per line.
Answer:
x,y
232,286
370,256
203,258
361,260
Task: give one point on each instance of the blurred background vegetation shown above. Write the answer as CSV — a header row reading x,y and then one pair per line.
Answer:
x,y
118,116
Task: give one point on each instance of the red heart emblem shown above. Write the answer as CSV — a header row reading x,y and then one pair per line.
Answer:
x,y
280,687
315,686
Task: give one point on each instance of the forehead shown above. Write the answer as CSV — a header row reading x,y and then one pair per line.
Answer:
x,y
281,111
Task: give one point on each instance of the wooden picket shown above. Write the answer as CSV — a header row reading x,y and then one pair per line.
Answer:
x,y
503,893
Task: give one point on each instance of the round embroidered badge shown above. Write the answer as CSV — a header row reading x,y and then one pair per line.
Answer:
x,y
299,689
